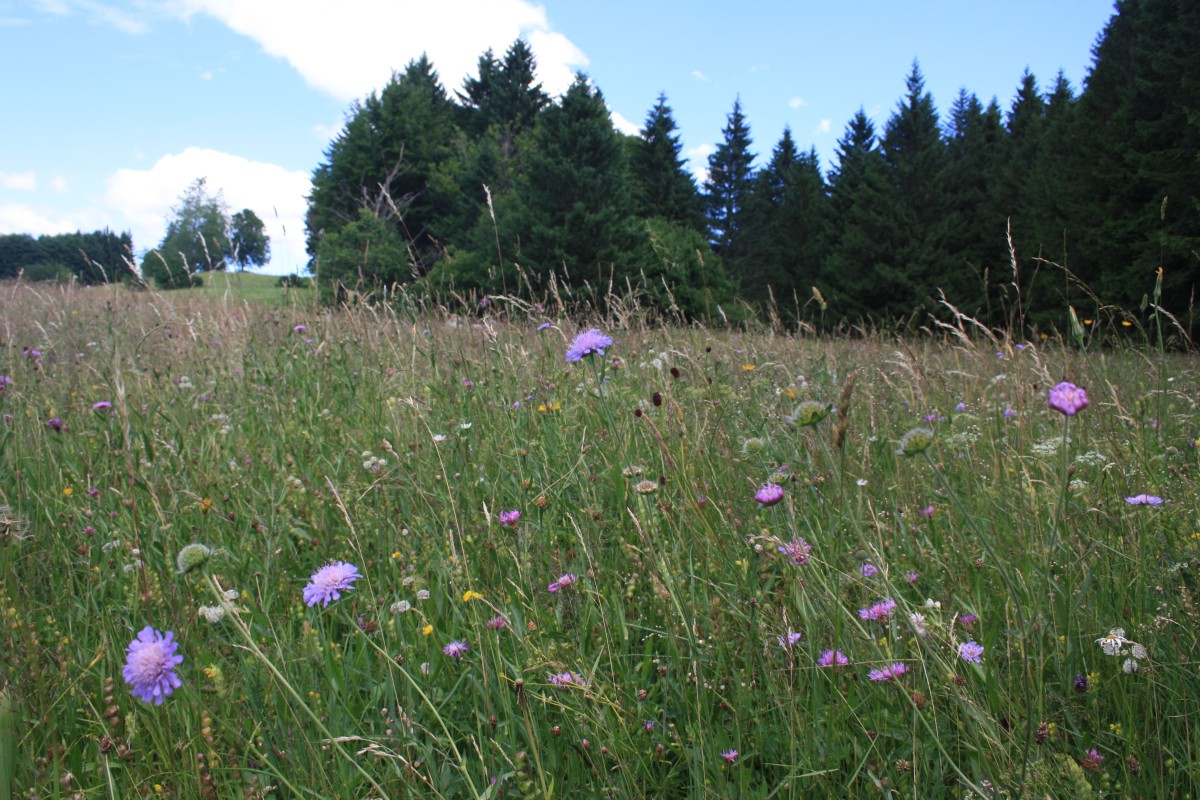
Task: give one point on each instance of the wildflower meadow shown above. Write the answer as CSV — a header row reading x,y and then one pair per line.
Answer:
x,y
516,551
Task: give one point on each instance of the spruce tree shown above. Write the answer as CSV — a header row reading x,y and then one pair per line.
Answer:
x,y
728,187
662,185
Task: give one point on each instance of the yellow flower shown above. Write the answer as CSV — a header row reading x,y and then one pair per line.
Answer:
x,y
790,392
68,491
428,629
206,505
396,554
749,367
469,595
1126,323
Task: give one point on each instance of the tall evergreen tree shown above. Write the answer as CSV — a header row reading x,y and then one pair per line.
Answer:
x,y
662,185
728,186
505,96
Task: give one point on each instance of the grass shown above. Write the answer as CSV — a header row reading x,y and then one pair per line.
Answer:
x,y
670,666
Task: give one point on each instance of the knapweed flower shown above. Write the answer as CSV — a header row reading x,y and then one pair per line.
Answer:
x,y
730,756
1068,399
1114,642
590,342
888,673
4,382
970,651
101,405
832,658
56,424
1144,500
300,328
456,649
881,611
868,570
497,623
912,577
915,441
510,518
790,638
967,620
563,582
797,551
565,679
150,663
329,582
769,494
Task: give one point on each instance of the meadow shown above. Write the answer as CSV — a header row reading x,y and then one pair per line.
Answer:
x,y
263,549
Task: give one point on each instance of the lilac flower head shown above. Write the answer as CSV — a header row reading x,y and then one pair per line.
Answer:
x,y
970,651
1082,683
510,518
329,582
868,569
888,673
563,582
881,611
1144,500
589,342
1068,398
1009,413
832,658
912,577
769,495
543,326
4,381
961,407
967,620
566,679
730,756
456,649
301,328
56,424
790,638
150,663
797,551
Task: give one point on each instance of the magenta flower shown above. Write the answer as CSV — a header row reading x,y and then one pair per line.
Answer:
x,y
590,342
888,673
1091,760
563,582
300,328
329,582
1144,500
510,518
789,639
1068,398
4,381
456,649
967,620
797,551
730,756
868,570
970,651
881,611
769,494
566,679
497,623
832,658
150,663
56,424
102,405
928,511
912,577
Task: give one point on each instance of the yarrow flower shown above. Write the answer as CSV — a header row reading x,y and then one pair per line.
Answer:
x,y
150,663
510,518
970,651
588,343
329,582
832,658
563,582
888,673
1144,500
1068,399
769,495
790,638
797,551
881,611
456,649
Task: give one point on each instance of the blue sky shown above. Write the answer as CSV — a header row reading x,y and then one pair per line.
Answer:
x,y
113,108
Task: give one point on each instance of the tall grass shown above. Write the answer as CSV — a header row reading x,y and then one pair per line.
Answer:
x,y
284,438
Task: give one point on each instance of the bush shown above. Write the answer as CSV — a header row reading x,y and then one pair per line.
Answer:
x,y
293,281
54,271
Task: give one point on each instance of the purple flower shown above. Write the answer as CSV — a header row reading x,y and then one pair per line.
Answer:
x,y
968,620
33,353
961,407
1091,760
329,582
56,424
730,756
888,673
565,679
881,611
912,577
543,326
1009,413
150,663
928,511
4,382
102,405
868,570
456,649
769,494
797,551
789,639
1142,500
1082,683
467,382
588,343
510,518
970,651
832,658
301,328
648,725
1068,398
497,623
563,582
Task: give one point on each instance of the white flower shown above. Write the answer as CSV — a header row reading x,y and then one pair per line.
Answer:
x,y
425,668
422,594
212,614
918,623
931,603
1138,651
1113,642
401,606
466,426
439,437
1131,665
861,481
232,594
408,579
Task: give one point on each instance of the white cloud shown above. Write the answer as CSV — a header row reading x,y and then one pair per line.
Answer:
x,y
102,13
698,75
59,184
797,102
698,160
21,181
206,75
349,52
327,133
25,218
623,125
145,197
825,126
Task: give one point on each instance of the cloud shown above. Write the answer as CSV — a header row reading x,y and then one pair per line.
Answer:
x,y
623,125
797,102
698,160
59,184
26,218
20,181
354,50
698,75
144,197
98,12
825,126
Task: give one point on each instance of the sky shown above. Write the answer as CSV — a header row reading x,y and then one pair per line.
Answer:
x,y
113,107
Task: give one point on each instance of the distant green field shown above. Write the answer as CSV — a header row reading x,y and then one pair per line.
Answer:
x,y
248,286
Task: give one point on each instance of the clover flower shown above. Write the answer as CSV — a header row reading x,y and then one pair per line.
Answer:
x,y
150,663
329,582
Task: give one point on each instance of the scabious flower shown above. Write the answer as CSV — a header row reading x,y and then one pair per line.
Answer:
x,y
1009,413
1144,500
150,663
1068,399
510,518
563,582
456,649
329,582
589,342
868,570
790,638
730,756
809,413
970,651
769,494
192,556
888,673
797,551
881,611
566,679
832,658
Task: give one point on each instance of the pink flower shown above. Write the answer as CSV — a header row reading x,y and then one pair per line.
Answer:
x,y
497,623
970,651
881,611
789,639
769,495
832,658
456,649
329,582
510,518
797,551
1068,398
563,582
730,756
868,570
888,673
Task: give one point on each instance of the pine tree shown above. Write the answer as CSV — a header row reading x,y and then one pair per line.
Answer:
x,y
728,186
662,185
